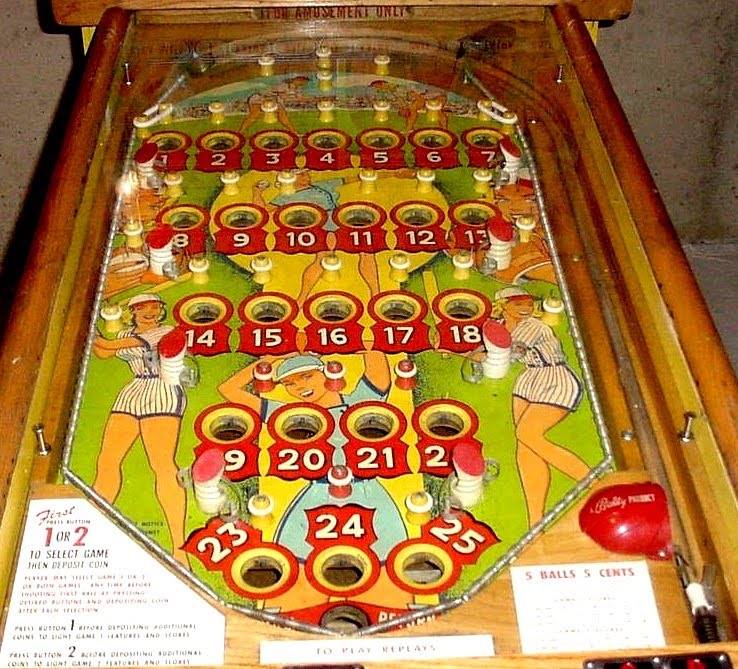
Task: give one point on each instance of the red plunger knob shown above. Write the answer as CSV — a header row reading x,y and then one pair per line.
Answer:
x,y
339,481
263,377
334,373
406,374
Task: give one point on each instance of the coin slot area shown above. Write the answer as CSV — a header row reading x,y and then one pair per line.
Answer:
x,y
344,619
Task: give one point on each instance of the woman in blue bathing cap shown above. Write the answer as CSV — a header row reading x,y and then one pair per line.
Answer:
x,y
303,377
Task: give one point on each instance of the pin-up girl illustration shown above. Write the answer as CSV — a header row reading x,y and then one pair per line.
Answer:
x,y
148,407
545,393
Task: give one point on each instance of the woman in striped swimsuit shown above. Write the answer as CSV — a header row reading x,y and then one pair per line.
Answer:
x,y
147,407
543,395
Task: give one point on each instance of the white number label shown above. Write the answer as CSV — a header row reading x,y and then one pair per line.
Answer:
x,y
218,159
241,239
304,238
206,338
435,456
361,237
420,237
240,536
335,336
371,455
353,527
399,334
313,460
468,334
267,337
234,460
218,553
467,541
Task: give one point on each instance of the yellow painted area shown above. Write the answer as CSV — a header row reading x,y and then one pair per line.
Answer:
x,y
288,269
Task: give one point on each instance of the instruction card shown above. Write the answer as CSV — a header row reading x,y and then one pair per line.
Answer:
x,y
86,595
588,606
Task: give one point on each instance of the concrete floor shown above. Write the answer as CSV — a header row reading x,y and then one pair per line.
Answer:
x,y
693,160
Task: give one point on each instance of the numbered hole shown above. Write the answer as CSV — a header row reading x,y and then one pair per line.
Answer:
x,y
461,309
398,310
301,218
202,313
431,138
220,143
302,427
443,420
343,570
371,425
229,428
380,141
268,311
483,138
475,216
344,619
417,216
423,568
168,143
262,572
326,141
273,142
183,220
241,218
359,217
445,423
334,310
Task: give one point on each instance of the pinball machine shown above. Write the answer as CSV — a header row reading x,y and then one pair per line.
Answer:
x,y
344,312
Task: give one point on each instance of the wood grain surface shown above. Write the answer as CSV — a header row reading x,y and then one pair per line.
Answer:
x,y
88,12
